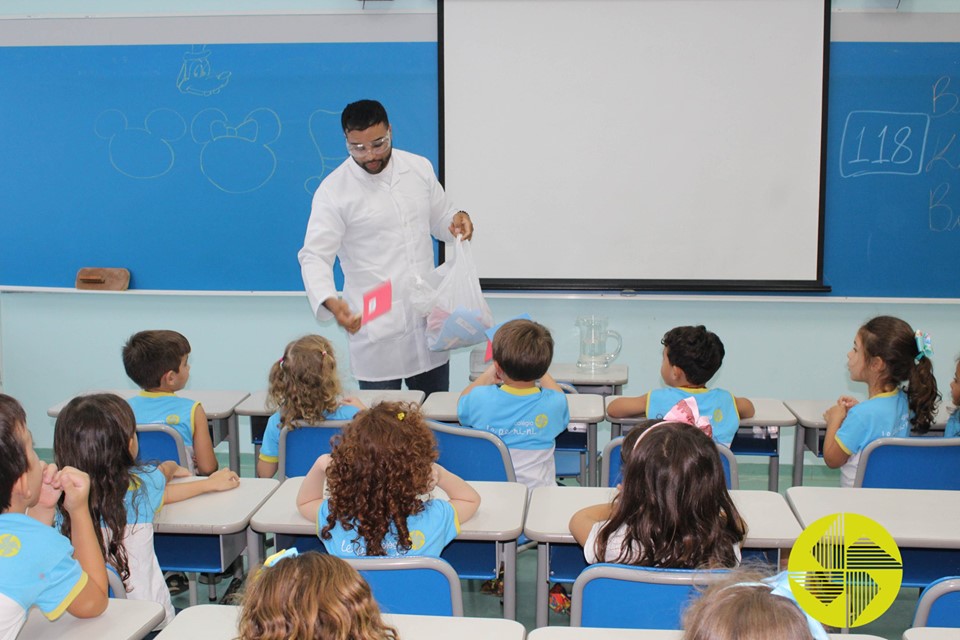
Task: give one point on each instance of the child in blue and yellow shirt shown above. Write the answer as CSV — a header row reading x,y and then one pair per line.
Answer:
x,y
38,566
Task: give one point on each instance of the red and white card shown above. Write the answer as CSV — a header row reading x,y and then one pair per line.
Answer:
x,y
377,301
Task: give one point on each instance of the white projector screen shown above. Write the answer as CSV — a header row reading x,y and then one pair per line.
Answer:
x,y
617,144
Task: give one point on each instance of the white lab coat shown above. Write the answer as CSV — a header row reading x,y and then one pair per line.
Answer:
x,y
380,227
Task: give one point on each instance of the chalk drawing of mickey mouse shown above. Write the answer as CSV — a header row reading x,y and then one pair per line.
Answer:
x,y
237,158
141,152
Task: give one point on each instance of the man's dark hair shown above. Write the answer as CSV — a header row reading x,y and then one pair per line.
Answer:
x,y
363,114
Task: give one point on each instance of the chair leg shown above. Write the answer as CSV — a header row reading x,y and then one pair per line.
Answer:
x,y
192,588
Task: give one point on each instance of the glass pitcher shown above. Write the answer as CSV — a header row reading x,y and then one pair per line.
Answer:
x,y
593,342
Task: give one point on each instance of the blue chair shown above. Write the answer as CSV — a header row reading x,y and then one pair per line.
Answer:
x,y
939,604
612,461
927,462
160,442
627,597
473,454
412,585
570,453
300,447
115,587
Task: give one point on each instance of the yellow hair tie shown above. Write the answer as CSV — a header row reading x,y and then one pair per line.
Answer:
x,y
401,415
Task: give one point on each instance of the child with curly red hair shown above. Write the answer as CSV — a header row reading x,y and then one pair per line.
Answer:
x,y
379,475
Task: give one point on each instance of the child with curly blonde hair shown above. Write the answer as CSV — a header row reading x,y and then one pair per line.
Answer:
x,y
304,389
381,468
333,602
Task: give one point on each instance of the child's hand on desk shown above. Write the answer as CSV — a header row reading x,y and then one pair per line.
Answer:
x,y
353,402
224,480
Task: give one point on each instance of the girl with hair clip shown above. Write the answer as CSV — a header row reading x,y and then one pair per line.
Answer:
x,y
750,605
381,467
673,509
333,602
98,434
304,387
886,352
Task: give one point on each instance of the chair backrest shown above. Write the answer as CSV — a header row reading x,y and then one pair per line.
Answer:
x,y
115,584
610,475
939,604
472,454
160,442
627,597
301,446
928,462
412,585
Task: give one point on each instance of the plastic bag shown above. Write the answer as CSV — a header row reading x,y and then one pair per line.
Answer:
x,y
450,298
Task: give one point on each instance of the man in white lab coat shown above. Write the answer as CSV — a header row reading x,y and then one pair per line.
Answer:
x,y
377,212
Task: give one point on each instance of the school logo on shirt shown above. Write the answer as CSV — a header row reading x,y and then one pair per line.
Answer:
x,y
845,570
717,416
417,540
9,545
173,419
540,421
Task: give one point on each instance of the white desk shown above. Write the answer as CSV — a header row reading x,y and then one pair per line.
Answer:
x,y
769,417
499,519
812,428
255,407
930,633
218,405
584,408
225,514
219,622
587,633
123,620
770,524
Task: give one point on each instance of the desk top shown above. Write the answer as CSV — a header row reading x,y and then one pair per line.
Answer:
x,y
216,513
929,633
219,622
770,524
584,407
614,374
770,412
587,633
218,405
131,619
809,413
256,403
914,517
500,516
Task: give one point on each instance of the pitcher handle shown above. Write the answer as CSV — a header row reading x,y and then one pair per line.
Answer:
x,y
610,357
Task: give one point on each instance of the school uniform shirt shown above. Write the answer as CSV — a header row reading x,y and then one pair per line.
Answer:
x,y
952,430
885,415
270,448
380,227
143,500
527,420
615,544
430,531
718,405
36,568
161,407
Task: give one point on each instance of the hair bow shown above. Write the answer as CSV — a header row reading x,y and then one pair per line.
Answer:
x,y
280,555
687,412
924,347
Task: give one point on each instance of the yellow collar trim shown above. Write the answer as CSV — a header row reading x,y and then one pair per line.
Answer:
x,y
529,391
157,394
693,389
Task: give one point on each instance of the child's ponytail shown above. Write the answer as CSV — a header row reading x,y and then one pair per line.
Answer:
x,y
922,394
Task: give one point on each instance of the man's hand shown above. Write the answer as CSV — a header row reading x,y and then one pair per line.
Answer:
x,y
462,225
343,314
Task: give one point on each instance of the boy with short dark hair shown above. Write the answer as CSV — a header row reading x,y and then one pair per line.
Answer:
x,y
506,401
38,566
157,361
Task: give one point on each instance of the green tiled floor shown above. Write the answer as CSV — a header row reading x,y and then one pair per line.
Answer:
x,y
752,476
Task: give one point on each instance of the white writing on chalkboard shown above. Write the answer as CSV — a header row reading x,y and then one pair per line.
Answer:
x,y
886,142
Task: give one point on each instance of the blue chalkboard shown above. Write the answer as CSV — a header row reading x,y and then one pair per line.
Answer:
x,y
893,170
191,165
